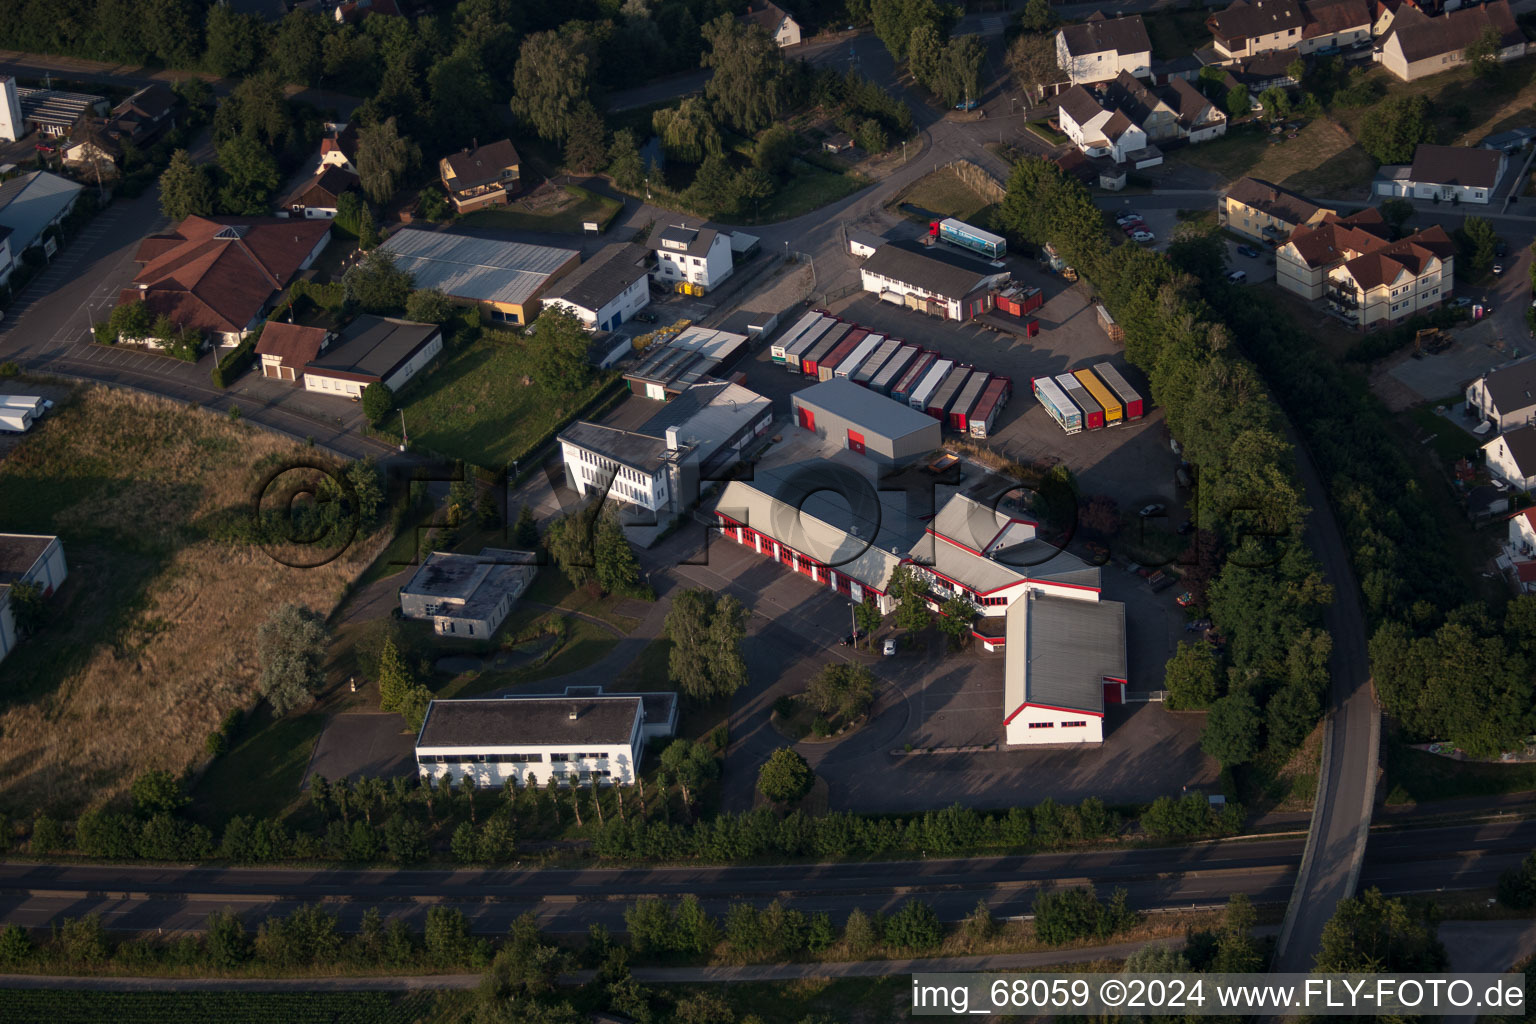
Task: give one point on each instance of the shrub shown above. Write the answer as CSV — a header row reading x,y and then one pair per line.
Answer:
x,y
915,926
236,361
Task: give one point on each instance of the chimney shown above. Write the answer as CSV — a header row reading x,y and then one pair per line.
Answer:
x,y
574,714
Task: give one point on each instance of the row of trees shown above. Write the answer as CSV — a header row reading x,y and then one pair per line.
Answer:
x,y
1248,563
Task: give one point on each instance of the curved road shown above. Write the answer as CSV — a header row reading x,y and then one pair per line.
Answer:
x,y
136,897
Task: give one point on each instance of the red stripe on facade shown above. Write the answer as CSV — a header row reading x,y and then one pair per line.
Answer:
x,y
1065,711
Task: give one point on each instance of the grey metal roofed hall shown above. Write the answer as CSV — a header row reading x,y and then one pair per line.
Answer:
x,y
1068,649
475,268
942,273
865,407
611,269
374,347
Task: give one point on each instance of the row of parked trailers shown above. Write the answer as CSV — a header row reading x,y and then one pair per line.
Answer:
x,y
963,398
1089,399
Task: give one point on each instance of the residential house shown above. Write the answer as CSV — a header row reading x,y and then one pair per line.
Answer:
x,y
1266,212
1394,282
1303,263
654,471
937,281
1511,457
1506,396
1520,550
774,20
480,177
1249,27
339,149
690,255
352,11
1098,49
220,275
1196,118
51,113
1148,111
318,198
369,350
1417,45
505,279
607,289
583,738
467,595
138,121
36,559
1461,174
1335,23
30,205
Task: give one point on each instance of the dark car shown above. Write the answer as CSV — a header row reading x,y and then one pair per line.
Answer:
x,y
644,318
852,638
1501,250
1249,251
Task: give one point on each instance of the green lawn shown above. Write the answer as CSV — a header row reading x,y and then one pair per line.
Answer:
x,y
1321,159
585,644
650,670
1414,776
1043,130
473,404
809,188
261,773
589,206
943,193
1448,440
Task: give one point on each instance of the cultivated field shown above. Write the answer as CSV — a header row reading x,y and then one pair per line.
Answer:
x,y
152,639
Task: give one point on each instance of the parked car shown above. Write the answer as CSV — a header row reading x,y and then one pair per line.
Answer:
x,y
1326,51
46,147
1237,277
1143,237
852,638
967,105
644,318
1126,215
1498,269
1161,582
889,647
1463,302
1501,250
1198,625
1154,509
1249,251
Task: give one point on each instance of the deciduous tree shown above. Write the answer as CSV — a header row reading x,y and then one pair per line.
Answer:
x,y
557,353
291,646
1395,128
376,285
552,79
785,777
384,156
751,82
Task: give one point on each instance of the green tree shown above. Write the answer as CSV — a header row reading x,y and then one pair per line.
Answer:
x,y
29,608
614,561
688,131
376,285
558,357
1371,933
378,402
1517,886
47,835
1231,733
250,176
228,944
716,188
1395,127
754,185
624,163
727,629
1192,677
959,74
296,53
914,926
1032,60
16,946
551,80
394,677
1479,242
384,157
910,593
1483,55
871,136
1276,102
896,20
1236,951
525,534
157,792
842,689
751,82
235,41
867,618
1037,16
1237,102
956,617
691,764
688,626
429,306
785,777
775,150
570,542
859,932
1396,213
586,144
291,647
186,190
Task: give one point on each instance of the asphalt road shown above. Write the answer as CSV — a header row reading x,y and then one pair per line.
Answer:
x,y
142,898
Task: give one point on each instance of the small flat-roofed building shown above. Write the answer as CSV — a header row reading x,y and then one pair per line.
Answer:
x,y
505,279
863,243
320,196
866,422
1064,662
29,558
29,205
373,350
669,369
607,290
584,737
467,595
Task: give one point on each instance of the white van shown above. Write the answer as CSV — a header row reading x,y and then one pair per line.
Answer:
x,y
1237,277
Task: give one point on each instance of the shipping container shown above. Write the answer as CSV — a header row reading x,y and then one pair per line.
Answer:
x,y
968,236
914,301
1093,413
876,362
918,397
1101,394
866,348
789,337
1056,402
1130,399
1112,329
894,368
1020,300
842,350
913,375
965,401
944,395
984,416
810,363
794,352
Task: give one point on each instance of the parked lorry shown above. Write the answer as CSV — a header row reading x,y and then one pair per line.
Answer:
x,y
965,401
1055,401
1113,411
983,417
1093,413
969,237
894,369
1130,398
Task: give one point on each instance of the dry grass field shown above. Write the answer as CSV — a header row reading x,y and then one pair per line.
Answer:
x,y
152,638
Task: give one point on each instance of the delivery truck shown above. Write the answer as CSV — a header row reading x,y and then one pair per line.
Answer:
x,y
968,236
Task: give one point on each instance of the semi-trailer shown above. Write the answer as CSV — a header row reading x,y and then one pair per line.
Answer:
x,y
1129,397
1101,394
1093,414
983,418
1055,402
965,401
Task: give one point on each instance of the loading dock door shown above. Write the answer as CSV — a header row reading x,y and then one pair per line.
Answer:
x,y
807,418
856,441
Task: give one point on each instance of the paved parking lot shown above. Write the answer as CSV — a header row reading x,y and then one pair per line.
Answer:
x,y
360,744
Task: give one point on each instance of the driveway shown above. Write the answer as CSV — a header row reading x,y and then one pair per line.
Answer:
x,y
358,744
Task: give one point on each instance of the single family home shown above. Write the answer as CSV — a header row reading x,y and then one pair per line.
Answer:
x,y
774,20
480,177
1099,48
